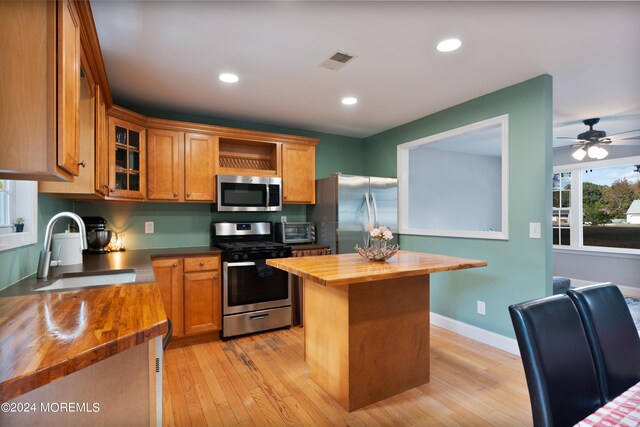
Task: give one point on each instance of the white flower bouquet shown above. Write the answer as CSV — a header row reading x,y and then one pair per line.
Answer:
x,y
377,248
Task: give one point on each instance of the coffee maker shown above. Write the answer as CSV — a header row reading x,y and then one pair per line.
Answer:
x,y
98,237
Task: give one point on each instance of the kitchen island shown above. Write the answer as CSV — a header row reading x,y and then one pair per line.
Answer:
x,y
367,323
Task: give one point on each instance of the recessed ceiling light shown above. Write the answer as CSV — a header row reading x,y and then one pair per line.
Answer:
x,y
228,78
349,100
449,45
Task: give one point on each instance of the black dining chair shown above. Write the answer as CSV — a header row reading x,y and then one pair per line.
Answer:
x,y
612,335
561,377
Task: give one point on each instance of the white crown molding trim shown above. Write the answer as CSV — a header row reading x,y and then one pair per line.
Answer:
x,y
510,345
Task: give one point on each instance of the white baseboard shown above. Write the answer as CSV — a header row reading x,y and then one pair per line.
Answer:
x,y
501,342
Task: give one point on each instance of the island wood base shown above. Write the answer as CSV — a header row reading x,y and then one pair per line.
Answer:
x,y
367,341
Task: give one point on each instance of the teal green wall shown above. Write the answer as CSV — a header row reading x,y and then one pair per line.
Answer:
x,y
184,225
520,268
22,262
176,224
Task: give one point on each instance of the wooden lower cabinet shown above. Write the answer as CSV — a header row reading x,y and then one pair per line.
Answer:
x,y
202,310
168,272
191,293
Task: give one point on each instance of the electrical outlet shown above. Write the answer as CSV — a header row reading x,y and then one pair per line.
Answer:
x,y
535,230
149,227
481,308
283,218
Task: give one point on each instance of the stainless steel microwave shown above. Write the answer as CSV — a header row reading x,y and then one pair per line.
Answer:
x,y
295,232
249,193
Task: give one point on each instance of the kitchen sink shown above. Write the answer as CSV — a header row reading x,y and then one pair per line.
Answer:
x,y
70,281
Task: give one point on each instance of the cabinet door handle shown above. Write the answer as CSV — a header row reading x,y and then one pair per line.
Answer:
x,y
82,163
175,264
215,277
188,194
285,197
175,194
113,190
201,263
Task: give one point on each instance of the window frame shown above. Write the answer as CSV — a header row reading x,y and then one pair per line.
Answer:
x,y
576,215
403,152
23,203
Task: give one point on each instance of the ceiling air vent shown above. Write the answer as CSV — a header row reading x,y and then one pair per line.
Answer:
x,y
337,61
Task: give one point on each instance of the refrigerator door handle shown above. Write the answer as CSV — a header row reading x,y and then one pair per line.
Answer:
x,y
369,225
366,199
375,210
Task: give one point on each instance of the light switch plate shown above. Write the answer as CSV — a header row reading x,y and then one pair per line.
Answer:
x,y
481,308
535,230
149,227
283,219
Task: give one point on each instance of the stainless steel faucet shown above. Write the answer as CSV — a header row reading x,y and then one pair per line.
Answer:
x,y
45,255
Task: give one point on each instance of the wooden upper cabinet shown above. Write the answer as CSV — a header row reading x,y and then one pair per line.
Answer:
x,y
127,160
101,145
68,87
31,112
180,166
165,164
200,154
298,173
84,184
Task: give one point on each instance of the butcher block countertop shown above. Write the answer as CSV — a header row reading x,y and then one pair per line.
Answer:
x,y
45,336
48,336
344,269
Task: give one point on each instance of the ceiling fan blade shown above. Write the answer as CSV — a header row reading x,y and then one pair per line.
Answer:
x,y
628,141
568,146
631,138
571,139
622,133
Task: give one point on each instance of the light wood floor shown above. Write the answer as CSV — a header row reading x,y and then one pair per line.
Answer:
x,y
262,380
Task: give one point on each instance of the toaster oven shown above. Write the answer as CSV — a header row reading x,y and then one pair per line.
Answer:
x,y
295,232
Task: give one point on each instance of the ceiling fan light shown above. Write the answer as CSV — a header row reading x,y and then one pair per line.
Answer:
x,y
602,153
579,154
593,152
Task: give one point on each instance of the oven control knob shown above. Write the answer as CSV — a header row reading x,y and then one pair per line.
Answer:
x,y
274,254
245,256
282,254
236,257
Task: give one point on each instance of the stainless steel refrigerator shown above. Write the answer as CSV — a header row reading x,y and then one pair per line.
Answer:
x,y
347,206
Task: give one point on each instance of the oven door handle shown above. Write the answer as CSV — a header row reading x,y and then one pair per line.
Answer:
x,y
240,264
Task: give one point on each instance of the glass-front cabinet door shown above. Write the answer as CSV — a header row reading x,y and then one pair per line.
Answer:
x,y
127,145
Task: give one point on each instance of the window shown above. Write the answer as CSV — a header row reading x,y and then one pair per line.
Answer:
x,y
561,208
18,199
605,213
5,212
458,182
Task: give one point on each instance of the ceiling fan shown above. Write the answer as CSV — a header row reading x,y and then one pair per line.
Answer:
x,y
590,142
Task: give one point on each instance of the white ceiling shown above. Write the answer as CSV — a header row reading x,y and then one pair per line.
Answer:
x,y
167,56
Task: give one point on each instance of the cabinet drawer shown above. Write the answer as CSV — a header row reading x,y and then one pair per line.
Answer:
x,y
202,263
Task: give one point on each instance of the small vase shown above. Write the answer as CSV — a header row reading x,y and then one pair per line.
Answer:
x,y
377,251
19,228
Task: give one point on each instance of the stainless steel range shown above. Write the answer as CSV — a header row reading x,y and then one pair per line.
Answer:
x,y
255,296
